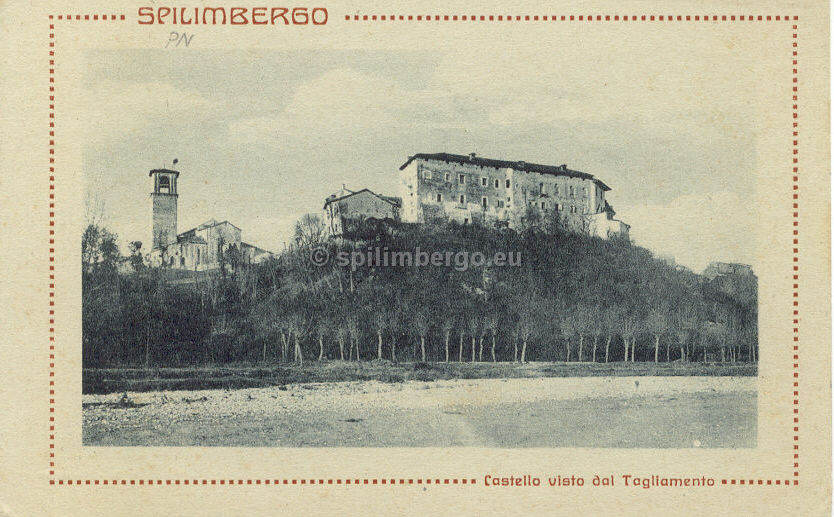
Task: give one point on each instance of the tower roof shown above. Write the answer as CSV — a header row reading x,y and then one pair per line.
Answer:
x,y
169,171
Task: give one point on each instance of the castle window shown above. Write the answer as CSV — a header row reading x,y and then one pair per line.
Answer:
x,y
483,181
439,198
507,184
462,199
500,203
543,205
556,189
447,176
198,255
171,261
496,183
541,188
461,179
182,261
572,209
571,191
484,202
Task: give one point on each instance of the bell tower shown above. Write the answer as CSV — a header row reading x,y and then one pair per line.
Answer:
x,y
164,207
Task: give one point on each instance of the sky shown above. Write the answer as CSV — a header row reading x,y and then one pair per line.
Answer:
x,y
263,137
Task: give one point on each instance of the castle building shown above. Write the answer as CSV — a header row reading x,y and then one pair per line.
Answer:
x,y
199,248
473,190
346,207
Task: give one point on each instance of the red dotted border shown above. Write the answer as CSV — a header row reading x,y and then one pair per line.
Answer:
x,y
756,482
562,18
418,481
795,170
51,249
88,17
276,482
52,19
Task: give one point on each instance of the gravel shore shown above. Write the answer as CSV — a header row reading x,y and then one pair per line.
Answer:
x,y
148,413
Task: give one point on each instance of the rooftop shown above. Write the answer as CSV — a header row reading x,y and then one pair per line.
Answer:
x,y
388,199
554,170
169,171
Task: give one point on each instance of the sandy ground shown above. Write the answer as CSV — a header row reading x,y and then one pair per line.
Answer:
x,y
549,412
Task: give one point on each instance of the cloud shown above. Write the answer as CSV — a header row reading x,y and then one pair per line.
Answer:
x,y
343,101
697,229
114,107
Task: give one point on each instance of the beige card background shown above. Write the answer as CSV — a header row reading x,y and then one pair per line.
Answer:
x,y
38,463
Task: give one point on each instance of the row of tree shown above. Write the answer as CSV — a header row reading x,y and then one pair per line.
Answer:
x,y
574,298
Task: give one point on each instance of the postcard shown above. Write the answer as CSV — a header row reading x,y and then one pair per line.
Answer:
x,y
429,258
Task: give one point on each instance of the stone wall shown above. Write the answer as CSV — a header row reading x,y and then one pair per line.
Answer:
x,y
359,206
214,234
163,219
435,191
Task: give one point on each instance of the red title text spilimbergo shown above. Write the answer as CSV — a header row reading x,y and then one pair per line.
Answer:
x,y
232,15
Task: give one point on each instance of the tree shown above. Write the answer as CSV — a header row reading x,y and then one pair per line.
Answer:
x,y
516,339
285,341
526,324
492,325
657,322
341,337
569,327
531,220
461,335
584,321
421,325
298,328
309,231
322,329
380,324
684,324
474,325
99,251
137,262
610,325
101,294
353,332
481,335
394,317
447,327
628,328
597,330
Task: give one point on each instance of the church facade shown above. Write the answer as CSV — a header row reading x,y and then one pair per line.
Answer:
x,y
201,248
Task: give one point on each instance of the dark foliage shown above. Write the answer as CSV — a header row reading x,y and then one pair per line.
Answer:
x,y
571,294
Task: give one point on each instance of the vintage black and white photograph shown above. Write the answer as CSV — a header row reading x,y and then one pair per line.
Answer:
x,y
427,248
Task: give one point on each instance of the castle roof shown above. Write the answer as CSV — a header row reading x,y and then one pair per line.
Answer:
x,y
554,170
388,199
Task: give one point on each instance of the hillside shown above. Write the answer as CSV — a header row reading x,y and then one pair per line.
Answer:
x,y
568,297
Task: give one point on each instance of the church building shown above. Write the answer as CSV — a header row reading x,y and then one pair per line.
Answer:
x,y
196,249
